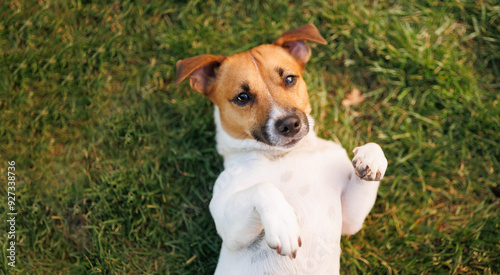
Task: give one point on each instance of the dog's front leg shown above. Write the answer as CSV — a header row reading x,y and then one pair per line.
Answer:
x,y
241,216
358,196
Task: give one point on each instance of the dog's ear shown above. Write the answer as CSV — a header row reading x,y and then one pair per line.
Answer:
x,y
294,41
201,70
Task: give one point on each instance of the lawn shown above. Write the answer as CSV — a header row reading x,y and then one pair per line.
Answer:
x,y
115,165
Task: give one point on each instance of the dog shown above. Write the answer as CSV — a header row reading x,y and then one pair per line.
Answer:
x,y
285,196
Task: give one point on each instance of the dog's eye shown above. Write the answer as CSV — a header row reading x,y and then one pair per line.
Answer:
x,y
241,98
290,80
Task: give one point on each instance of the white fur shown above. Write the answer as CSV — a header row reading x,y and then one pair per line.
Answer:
x,y
310,190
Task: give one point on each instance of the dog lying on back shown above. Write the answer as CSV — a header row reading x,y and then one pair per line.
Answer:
x,y
285,196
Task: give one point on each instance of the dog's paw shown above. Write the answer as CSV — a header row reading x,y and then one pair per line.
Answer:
x,y
281,229
369,162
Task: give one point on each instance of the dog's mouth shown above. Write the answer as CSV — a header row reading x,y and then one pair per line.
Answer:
x,y
285,131
292,143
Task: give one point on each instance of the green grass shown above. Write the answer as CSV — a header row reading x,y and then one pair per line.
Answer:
x,y
115,165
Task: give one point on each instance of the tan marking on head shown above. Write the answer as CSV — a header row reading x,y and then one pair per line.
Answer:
x,y
259,69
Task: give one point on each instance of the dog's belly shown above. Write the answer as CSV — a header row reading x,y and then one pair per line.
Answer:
x,y
312,183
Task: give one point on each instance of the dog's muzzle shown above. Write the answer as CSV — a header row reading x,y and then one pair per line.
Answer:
x,y
283,131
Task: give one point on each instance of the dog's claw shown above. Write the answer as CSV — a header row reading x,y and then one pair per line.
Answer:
x,y
363,173
367,171
278,249
294,254
300,242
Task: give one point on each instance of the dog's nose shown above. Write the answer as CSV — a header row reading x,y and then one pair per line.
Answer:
x,y
288,126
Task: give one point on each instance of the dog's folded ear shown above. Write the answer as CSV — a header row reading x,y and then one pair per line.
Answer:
x,y
294,41
201,70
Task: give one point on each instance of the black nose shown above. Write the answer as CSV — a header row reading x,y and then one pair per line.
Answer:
x,y
288,126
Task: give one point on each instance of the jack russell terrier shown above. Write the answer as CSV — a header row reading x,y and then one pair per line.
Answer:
x,y
285,196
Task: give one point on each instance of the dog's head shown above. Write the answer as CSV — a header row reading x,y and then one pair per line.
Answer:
x,y
260,93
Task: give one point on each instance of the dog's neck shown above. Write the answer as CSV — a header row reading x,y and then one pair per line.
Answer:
x,y
230,148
